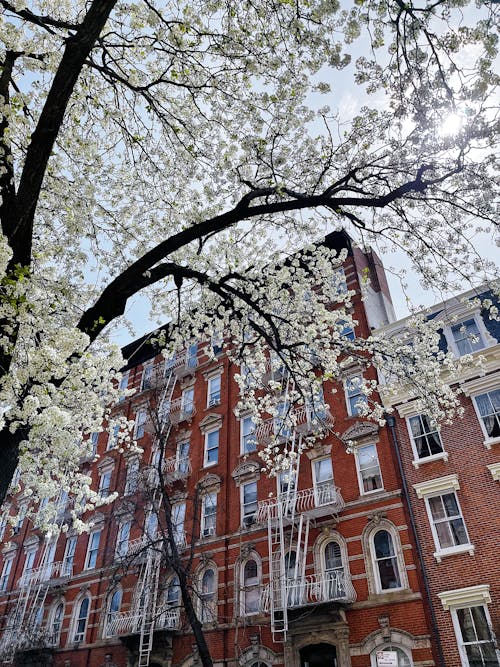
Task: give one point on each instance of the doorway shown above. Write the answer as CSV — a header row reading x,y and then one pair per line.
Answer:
x,y
318,655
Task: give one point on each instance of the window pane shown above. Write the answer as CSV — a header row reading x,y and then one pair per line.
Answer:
x,y
333,556
383,544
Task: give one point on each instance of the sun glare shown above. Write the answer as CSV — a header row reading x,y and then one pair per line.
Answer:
x,y
452,124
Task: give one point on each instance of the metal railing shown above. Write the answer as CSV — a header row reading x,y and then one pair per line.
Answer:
x,y
304,418
312,589
35,575
320,499
179,411
129,622
176,468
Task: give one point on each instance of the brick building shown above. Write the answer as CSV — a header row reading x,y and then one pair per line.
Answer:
x,y
314,569
452,474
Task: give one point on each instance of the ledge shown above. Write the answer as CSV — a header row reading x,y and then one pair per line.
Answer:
x,y
465,596
442,456
453,551
491,441
436,485
494,468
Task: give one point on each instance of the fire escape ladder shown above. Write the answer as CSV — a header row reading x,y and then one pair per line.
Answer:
x,y
277,601
151,582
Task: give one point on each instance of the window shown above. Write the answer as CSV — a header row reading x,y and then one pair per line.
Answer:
x,y
370,478
286,481
424,436
147,377
334,588
280,424
475,639
123,386
187,403
192,355
48,560
249,503
69,556
21,515
324,490
217,343
4,577
339,281
132,478
447,524
467,337
213,391
208,597
140,424
208,514
92,550
29,562
3,525
247,434
182,457
56,624
105,483
212,447
178,517
250,588
113,611
81,621
122,539
151,525
386,561
113,437
355,398
346,330
488,407
173,593
94,439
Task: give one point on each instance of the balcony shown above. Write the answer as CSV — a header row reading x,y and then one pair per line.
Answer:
x,y
51,573
305,419
312,589
184,364
175,468
180,412
321,500
129,622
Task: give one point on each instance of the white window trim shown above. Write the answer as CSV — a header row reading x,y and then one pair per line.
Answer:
x,y
74,624
148,367
346,393
399,560
463,317
108,470
55,640
86,562
131,482
6,570
465,597
441,552
206,462
435,486
208,531
244,516
313,474
141,411
417,462
487,442
242,442
245,589
362,492
118,535
210,378
69,541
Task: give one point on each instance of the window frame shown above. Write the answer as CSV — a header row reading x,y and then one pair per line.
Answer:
x,y
190,403
55,633
90,561
147,376
207,463
79,637
417,460
69,554
141,417
458,548
246,588
120,540
179,526
316,483
113,437
5,574
488,440
208,525
243,446
214,396
110,613
458,630
399,561
248,518
350,408
132,477
105,475
481,329
208,614
362,491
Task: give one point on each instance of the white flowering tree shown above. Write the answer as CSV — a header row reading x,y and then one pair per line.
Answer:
x,y
180,148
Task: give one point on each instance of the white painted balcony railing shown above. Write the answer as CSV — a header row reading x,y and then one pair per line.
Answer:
x,y
45,572
176,468
184,364
140,544
129,622
309,590
180,411
317,501
305,420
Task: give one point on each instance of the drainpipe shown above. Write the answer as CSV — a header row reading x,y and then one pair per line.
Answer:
x,y
391,423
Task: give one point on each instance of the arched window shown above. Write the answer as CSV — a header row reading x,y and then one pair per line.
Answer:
x,y
113,611
81,619
334,584
250,580
386,561
208,596
258,664
404,660
56,624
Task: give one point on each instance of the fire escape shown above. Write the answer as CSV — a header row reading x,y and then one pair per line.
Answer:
x,y
290,515
147,614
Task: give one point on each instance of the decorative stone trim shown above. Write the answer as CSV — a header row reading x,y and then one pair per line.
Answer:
x,y
481,384
442,456
183,435
106,462
248,470
212,420
210,481
318,451
361,432
410,408
463,597
31,542
494,468
436,485
213,372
